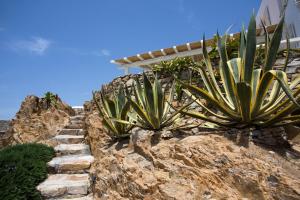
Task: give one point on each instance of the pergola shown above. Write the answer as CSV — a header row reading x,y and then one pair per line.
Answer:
x,y
190,49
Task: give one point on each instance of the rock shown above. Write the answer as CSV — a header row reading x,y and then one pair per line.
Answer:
x,y
273,180
141,141
270,136
65,184
71,163
195,130
166,134
36,123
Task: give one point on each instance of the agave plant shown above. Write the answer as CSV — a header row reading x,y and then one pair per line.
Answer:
x,y
250,95
151,104
115,108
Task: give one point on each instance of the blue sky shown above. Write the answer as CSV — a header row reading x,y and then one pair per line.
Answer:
x,y
65,46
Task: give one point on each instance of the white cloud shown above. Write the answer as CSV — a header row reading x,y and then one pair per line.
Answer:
x,y
105,52
85,52
36,45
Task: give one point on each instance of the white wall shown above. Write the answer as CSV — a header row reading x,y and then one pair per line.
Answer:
x,y
292,16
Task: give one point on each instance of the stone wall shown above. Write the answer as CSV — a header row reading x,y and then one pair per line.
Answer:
x,y
127,80
292,71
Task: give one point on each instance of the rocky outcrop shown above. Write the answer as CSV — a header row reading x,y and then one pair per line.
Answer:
x,y
34,122
5,132
189,165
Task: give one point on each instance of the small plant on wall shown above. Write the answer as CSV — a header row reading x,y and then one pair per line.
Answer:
x,y
50,99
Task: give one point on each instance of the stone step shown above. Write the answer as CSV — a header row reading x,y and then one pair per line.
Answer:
x,y
69,139
71,163
89,197
79,122
78,110
60,185
72,132
69,149
75,126
77,117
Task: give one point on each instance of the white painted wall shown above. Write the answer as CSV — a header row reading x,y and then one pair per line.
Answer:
x,y
292,16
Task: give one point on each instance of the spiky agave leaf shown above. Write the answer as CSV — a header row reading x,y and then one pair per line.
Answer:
x,y
151,105
116,108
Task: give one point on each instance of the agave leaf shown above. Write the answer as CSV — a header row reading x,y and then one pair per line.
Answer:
x,y
214,83
226,76
204,94
250,50
148,94
207,82
276,107
284,123
124,111
272,98
242,44
175,114
110,107
293,86
158,98
244,94
282,113
139,93
167,103
204,107
140,112
292,117
264,85
203,117
122,121
149,100
110,126
255,83
287,53
120,99
235,67
267,37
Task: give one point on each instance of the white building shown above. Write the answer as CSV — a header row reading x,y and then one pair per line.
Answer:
x,y
270,12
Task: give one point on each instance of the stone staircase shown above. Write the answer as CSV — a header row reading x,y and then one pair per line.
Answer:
x,y
69,170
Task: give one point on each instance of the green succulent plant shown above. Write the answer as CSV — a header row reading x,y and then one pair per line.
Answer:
x,y
249,95
114,109
151,104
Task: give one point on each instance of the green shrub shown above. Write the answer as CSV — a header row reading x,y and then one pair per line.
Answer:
x,y
22,168
51,99
174,67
